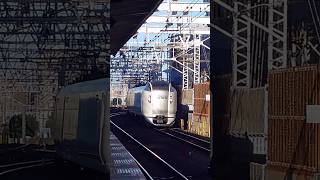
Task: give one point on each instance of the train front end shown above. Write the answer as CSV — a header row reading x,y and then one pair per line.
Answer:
x,y
161,104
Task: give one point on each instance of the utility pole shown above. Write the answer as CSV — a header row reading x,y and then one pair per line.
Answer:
x,y
23,127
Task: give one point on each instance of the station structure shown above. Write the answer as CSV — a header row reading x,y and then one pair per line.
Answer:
x,y
46,45
173,44
257,44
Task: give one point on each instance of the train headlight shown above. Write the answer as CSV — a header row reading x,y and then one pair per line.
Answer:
x,y
170,99
171,89
149,99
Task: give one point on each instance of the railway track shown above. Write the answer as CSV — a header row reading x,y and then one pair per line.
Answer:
x,y
167,170
15,167
180,150
24,153
180,135
14,149
187,138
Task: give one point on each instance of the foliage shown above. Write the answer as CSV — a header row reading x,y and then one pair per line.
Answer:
x,y
51,122
15,126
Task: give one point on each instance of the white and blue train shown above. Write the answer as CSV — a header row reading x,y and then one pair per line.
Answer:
x,y
156,102
82,130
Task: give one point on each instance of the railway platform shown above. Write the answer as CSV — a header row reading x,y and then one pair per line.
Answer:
x,y
123,165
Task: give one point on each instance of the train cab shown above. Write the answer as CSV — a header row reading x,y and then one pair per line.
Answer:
x,y
156,102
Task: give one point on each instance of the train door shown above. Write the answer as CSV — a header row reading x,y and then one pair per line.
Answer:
x,y
58,116
137,102
105,151
146,101
70,119
89,125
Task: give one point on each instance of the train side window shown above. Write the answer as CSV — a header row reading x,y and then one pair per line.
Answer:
x,y
160,85
148,88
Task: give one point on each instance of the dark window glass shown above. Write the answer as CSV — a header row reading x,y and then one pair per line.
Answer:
x,y
160,85
147,88
119,101
114,101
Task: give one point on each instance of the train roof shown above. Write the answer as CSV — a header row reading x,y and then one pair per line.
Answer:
x,y
156,85
160,85
139,88
86,87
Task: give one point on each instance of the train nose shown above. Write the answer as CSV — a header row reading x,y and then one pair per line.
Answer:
x,y
160,104
160,120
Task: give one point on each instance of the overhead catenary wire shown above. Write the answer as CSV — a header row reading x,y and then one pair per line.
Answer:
x,y
172,36
194,18
200,13
313,14
180,16
316,11
186,27
318,19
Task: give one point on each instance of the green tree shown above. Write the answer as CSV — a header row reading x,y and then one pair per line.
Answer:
x,y
15,126
50,123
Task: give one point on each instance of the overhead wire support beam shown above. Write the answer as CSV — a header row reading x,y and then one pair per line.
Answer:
x,y
157,30
174,53
173,20
241,48
180,7
221,30
196,60
277,37
185,73
241,14
44,42
175,69
314,48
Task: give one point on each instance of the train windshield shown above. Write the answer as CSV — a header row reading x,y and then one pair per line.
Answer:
x,y
160,85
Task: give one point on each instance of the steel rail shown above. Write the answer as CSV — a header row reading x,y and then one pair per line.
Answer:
x,y
185,134
181,139
143,169
20,163
34,164
151,152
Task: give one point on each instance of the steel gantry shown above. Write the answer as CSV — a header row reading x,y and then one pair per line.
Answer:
x,y
46,44
277,39
176,38
241,45
196,58
245,17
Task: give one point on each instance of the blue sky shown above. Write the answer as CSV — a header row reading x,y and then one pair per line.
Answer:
x,y
141,37
163,37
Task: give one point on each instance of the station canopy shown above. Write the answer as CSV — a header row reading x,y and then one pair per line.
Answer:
x,y
126,18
